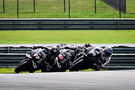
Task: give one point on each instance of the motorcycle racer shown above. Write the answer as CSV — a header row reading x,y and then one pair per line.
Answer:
x,y
92,57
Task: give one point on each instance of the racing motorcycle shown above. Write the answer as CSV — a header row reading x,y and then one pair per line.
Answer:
x,y
64,59
60,61
32,61
85,60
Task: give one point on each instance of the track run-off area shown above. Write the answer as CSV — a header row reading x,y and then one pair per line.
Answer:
x,y
93,80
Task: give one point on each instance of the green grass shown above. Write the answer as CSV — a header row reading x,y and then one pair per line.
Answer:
x,y
6,70
11,70
55,9
46,37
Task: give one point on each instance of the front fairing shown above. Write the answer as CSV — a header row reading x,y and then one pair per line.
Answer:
x,y
33,62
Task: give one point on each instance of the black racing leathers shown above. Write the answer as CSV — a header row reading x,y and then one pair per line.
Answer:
x,y
91,57
62,61
32,61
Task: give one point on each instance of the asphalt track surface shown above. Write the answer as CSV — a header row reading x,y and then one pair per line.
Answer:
x,y
94,80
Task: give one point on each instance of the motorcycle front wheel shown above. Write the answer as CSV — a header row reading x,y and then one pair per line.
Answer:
x,y
21,66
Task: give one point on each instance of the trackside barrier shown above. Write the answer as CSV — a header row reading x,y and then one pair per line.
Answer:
x,y
67,24
11,56
122,58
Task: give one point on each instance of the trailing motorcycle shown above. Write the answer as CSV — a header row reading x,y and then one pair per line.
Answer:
x,y
58,62
32,61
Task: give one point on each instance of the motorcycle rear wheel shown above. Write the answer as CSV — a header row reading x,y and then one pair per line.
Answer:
x,y
77,65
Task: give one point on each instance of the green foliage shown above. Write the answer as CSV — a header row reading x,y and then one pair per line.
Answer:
x,y
59,36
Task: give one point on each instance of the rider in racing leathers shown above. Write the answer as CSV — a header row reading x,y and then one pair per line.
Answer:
x,y
92,57
32,61
59,61
64,60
